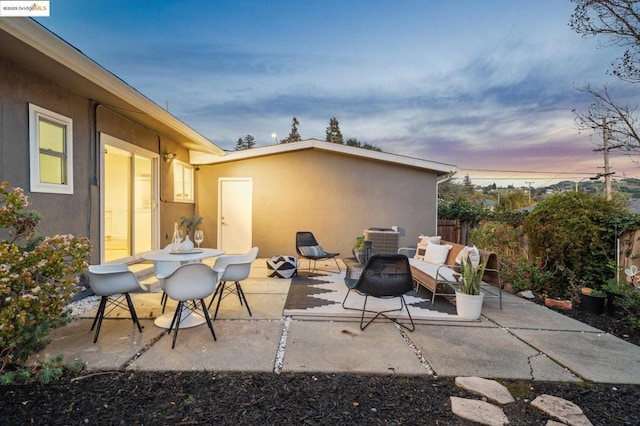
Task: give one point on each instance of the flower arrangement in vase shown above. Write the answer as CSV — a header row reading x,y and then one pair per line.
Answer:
x,y
189,223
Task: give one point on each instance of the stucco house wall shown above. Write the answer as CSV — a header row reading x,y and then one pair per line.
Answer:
x,y
19,87
333,195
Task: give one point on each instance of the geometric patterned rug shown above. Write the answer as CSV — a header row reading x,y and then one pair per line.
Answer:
x,y
322,295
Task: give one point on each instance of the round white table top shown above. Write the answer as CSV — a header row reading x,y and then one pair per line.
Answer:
x,y
168,256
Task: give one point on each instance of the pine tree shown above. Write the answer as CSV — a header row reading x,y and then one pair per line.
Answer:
x,y
247,143
293,136
333,132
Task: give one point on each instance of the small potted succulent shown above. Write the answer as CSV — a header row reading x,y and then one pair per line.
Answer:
x,y
469,298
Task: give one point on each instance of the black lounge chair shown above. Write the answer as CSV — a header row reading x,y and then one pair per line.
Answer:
x,y
384,276
308,248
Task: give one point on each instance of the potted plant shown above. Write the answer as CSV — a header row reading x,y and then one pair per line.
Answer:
x,y
469,297
616,289
189,223
358,249
592,300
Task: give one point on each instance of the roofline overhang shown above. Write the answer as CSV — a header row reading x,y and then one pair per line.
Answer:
x,y
49,44
439,168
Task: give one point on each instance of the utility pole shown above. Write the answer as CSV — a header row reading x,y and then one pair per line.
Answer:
x,y
605,149
529,184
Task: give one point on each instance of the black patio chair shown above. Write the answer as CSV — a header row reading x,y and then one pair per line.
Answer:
x,y
308,248
384,276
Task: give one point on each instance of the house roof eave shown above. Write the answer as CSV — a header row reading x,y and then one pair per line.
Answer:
x,y
439,168
54,58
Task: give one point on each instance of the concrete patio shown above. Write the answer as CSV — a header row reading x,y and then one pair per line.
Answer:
x,y
521,341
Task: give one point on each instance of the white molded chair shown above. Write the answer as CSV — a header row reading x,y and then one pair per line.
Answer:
x,y
233,268
190,282
112,282
162,269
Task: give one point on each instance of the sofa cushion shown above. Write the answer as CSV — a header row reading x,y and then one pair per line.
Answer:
x,y
430,269
437,253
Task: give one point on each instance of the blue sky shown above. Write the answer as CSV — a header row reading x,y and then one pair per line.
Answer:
x,y
484,85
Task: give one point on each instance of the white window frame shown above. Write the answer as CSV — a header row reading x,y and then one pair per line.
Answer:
x,y
35,114
179,182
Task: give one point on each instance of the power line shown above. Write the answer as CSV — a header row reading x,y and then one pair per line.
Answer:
x,y
528,171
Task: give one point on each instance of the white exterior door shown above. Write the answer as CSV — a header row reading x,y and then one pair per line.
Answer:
x,y
235,209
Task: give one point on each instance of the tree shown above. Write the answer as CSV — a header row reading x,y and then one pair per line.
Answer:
x,y
247,143
293,136
468,186
576,233
355,142
333,132
618,23
621,123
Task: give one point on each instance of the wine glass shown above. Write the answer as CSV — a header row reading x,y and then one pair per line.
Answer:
x,y
179,235
198,237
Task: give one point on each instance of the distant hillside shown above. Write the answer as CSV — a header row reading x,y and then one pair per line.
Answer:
x,y
628,186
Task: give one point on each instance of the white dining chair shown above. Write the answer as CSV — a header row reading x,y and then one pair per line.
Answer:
x,y
112,283
189,284
234,268
162,269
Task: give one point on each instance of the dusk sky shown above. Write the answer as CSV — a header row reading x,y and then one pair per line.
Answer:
x,y
484,85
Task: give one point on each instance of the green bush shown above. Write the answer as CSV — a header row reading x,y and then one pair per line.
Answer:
x,y
576,233
460,209
37,279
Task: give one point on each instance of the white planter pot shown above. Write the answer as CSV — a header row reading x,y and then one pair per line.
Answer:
x,y
469,306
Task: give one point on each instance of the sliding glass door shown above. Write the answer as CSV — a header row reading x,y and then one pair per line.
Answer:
x,y
129,200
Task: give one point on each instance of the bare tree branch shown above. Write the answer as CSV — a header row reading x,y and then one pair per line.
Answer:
x,y
619,22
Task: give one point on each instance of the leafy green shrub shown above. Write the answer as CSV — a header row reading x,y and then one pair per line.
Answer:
x,y
37,278
45,371
528,275
576,233
461,209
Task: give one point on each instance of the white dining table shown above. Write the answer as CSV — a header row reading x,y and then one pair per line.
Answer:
x,y
188,318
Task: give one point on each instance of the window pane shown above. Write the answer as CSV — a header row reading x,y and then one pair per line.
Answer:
x,y
52,136
52,169
188,185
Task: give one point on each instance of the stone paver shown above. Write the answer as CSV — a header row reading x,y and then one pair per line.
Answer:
x,y
599,357
524,314
478,411
495,354
241,346
119,342
343,347
490,389
566,411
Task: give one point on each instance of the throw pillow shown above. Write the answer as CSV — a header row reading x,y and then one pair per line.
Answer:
x,y
420,250
423,240
311,251
437,253
471,253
